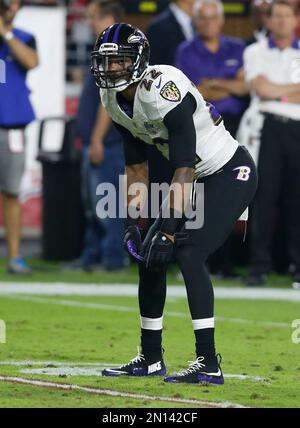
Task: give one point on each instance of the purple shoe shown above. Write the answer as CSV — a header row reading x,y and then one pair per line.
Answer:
x,y
203,370
138,366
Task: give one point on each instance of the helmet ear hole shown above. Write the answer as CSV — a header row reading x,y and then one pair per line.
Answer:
x,y
120,40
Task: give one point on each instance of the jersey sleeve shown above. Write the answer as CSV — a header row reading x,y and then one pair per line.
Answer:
x,y
162,89
135,150
182,133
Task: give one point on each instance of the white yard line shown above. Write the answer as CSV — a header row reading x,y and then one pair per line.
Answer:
x,y
74,303
111,393
262,323
120,308
246,377
68,289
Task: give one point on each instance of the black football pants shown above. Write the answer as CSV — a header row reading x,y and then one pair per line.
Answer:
x,y
227,194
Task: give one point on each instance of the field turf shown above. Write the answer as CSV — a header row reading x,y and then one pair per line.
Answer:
x,y
69,339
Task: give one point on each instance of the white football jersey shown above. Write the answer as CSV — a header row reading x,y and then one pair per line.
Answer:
x,y
161,90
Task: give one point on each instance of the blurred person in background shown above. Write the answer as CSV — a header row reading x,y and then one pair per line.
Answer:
x,y
272,69
79,40
259,16
170,28
102,158
214,63
18,51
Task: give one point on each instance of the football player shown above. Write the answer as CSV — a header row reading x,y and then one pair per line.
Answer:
x,y
159,105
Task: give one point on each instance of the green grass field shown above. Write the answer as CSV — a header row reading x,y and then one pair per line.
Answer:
x,y
69,339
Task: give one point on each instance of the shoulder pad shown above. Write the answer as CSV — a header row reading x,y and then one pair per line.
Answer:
x,y
162,88
103,96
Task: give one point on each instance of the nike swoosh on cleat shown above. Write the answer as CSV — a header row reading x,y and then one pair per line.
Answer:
x,y
219,373
116,371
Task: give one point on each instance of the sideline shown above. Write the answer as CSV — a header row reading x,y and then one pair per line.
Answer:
x,y
130,290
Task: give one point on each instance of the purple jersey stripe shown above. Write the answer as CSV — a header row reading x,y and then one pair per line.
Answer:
x,y
116,35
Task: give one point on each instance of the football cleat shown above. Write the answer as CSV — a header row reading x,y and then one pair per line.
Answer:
x,y
138,366
203,370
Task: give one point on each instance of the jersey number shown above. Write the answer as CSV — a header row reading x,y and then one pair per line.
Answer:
x,y
148,83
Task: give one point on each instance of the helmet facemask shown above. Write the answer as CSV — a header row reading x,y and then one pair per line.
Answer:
x,y
119,78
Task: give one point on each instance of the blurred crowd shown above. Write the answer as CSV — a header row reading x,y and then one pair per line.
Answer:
x,y
255,86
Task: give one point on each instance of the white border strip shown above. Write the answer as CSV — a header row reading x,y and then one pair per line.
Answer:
x,y
69,289
111,393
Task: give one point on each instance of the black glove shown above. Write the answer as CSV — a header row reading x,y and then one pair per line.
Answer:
x,y
133,241
159,251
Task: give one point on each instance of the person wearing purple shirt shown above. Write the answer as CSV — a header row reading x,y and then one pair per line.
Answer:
x,y
214,63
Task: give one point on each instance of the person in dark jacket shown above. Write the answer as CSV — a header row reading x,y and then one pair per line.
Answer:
x,y
168,30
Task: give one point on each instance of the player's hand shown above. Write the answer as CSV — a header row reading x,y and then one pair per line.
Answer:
x,y
159,251
133,242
